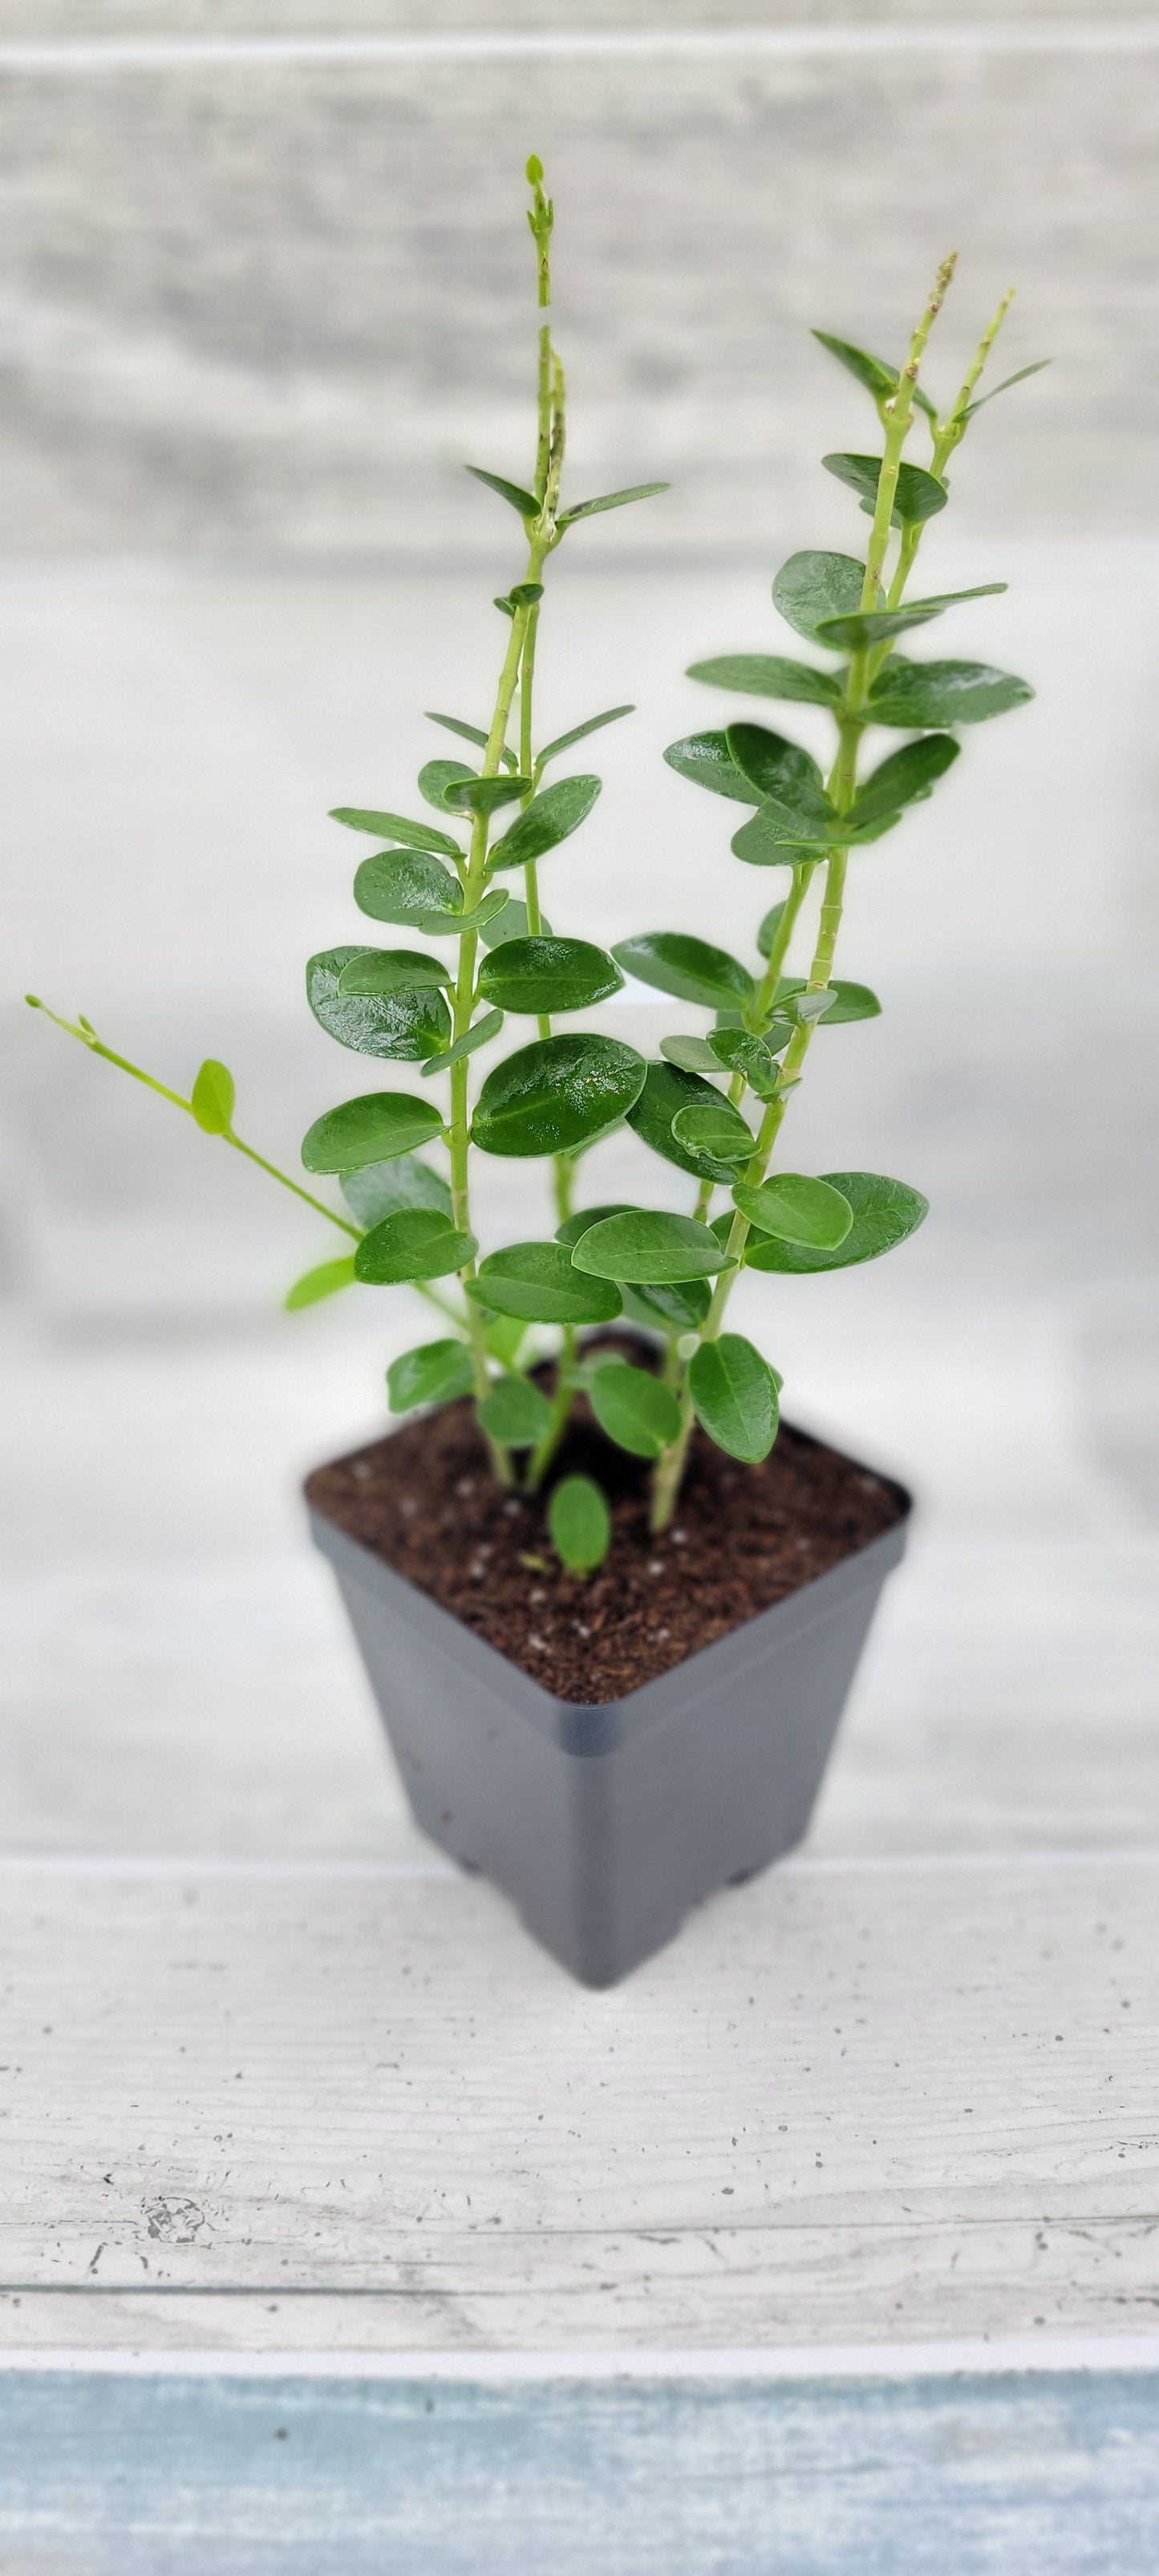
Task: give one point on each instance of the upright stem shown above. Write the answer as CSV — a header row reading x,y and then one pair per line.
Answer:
x,y
898,415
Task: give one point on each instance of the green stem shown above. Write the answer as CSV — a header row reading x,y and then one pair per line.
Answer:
x,y
897,415
542,1456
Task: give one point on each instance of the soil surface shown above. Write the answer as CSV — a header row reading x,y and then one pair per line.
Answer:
x,y
742,1538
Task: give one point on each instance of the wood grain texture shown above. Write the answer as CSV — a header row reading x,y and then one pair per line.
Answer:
x,y
847,2106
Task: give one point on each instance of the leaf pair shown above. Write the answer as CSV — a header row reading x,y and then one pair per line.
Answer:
x,y
529,508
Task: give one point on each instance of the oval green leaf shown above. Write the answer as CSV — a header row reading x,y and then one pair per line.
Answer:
x,y
666,1091
471,795
693,1055
909,694
769,675
573,1226
435,1373
797,1210
635,1409
512,923
323,1281
378,1189
409,886
667,1306
403,1026
846,1001
811,586
396,827
734,1392
705,759
648,1246
515,1413
479,1034
884,1213
212,1098
391,970
691,968
775,766
415,1243
537,1282
919,495
715,1128
375,1128
435,778
548,975
550,818
755,1057
906,778
557,1094
874,626
580,1524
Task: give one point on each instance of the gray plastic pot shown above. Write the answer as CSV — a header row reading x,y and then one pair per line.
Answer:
x,y
604,1824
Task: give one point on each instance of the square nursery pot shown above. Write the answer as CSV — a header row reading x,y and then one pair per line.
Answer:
x,y
605,1823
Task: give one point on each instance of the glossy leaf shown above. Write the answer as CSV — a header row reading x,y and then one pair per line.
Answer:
x,y
752,1056
579,733
403,1027
414,1243
515,1413
769,928
919,495
878,379
512,924
374,1128
769,675
524,502
776,767
379,1188
556,1094
714,1128
1019,378
525,594
435,1373
797,1210
667,1306
391,970
436,776
811,586
884,1213
847,1001
496,900
212,1098
909,694
706,760
396,827
610,501
645,1245
537,1281
485,795
469,733
573,1226
666,1091
635,1409
548,975
734,1392
550,818
580,1524
906,778
691,968
693,1055
479,1034
323,1281
876,625
779,831
410,886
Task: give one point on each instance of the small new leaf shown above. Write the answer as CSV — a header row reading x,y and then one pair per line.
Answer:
x,y
919,495
884,1213
212,1098
479,1034
524,502
323,1281
610,501
580,1525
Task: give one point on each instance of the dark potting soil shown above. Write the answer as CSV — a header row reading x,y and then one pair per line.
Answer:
x,y
742,1538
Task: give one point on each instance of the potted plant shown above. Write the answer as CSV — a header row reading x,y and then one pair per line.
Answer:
x,y
611,1617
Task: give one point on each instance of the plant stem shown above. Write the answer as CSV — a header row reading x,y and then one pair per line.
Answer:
x,y
897,415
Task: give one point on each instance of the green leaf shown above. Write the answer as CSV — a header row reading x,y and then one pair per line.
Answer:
x,y
573,1226
564,741
395,827
919,495
377,1189
515,1413
666,1091
550,818
524,594
556,1094
734,1392
876,625
769,928
634,1408
512,924
811,586
414,1243
408,886
873,373
402,1026
324,1281
797,1210
435,1373
691,968
1020,378
752,1056
909,694
391,970
776,767
469,733
610,501
780,832
906,778
646,1246
212,1098
479,1034
537,1282
375,1128
668,1306
495,901
505,1336
884,1213
717,1129
580,1524
705,759
484,795
437,776
524,502
548,975
693,1055
848,1001
769,675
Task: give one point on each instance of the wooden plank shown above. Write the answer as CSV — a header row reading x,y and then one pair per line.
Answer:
x,y
849,2104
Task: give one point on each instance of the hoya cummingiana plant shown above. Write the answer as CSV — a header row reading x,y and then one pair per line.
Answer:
x,y
713,1106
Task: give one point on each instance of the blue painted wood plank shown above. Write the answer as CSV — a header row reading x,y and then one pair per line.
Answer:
x,y
1030,2474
